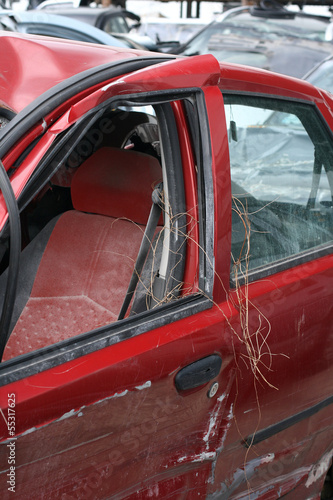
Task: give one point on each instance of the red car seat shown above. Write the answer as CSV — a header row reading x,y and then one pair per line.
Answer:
x,y
88,260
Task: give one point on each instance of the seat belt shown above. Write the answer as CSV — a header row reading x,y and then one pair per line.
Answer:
x,y
155,213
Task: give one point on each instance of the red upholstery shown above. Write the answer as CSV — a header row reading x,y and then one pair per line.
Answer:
x,y
117,183
88,261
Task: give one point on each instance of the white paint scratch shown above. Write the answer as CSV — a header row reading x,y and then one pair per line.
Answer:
x,y
29,431
116,395
143,386
212,421
319,469
67,415
227,427
300,323
211,455
154,491
69,369
268,458
79,412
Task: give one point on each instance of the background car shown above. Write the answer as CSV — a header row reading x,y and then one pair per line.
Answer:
x,y
43,23
270,16
112,20
109,19
322,75
290,42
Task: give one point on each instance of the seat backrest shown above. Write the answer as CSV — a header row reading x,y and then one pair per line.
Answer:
x,y
116,183
87,258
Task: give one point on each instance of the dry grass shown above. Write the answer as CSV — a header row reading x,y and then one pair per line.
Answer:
x,y
256,354
257,350
256,341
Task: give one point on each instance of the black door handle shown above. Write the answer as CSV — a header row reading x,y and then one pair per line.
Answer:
x,y
198,373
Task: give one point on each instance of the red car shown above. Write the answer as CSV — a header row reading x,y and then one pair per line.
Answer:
x,y
166,277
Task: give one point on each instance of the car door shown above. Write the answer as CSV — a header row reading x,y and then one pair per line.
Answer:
x,y
92,407
281,282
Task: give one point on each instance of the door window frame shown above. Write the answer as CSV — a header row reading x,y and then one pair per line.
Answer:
x,y
54,355
304,256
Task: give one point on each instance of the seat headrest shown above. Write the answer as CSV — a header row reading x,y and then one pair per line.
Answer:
x,y
117,183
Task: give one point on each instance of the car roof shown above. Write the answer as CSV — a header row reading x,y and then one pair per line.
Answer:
x,y
27,77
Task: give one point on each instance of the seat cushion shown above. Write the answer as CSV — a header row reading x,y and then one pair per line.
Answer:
x,y
81,280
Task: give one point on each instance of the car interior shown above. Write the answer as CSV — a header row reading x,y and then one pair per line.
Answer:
x,y
96,224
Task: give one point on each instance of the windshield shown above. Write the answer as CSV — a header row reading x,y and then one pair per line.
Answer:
x,y
313,28
212,39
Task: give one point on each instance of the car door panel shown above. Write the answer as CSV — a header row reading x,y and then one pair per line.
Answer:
x,y
286,415
284,364
163,434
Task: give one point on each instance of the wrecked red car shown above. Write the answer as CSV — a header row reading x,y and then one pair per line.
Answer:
x,y
166,277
